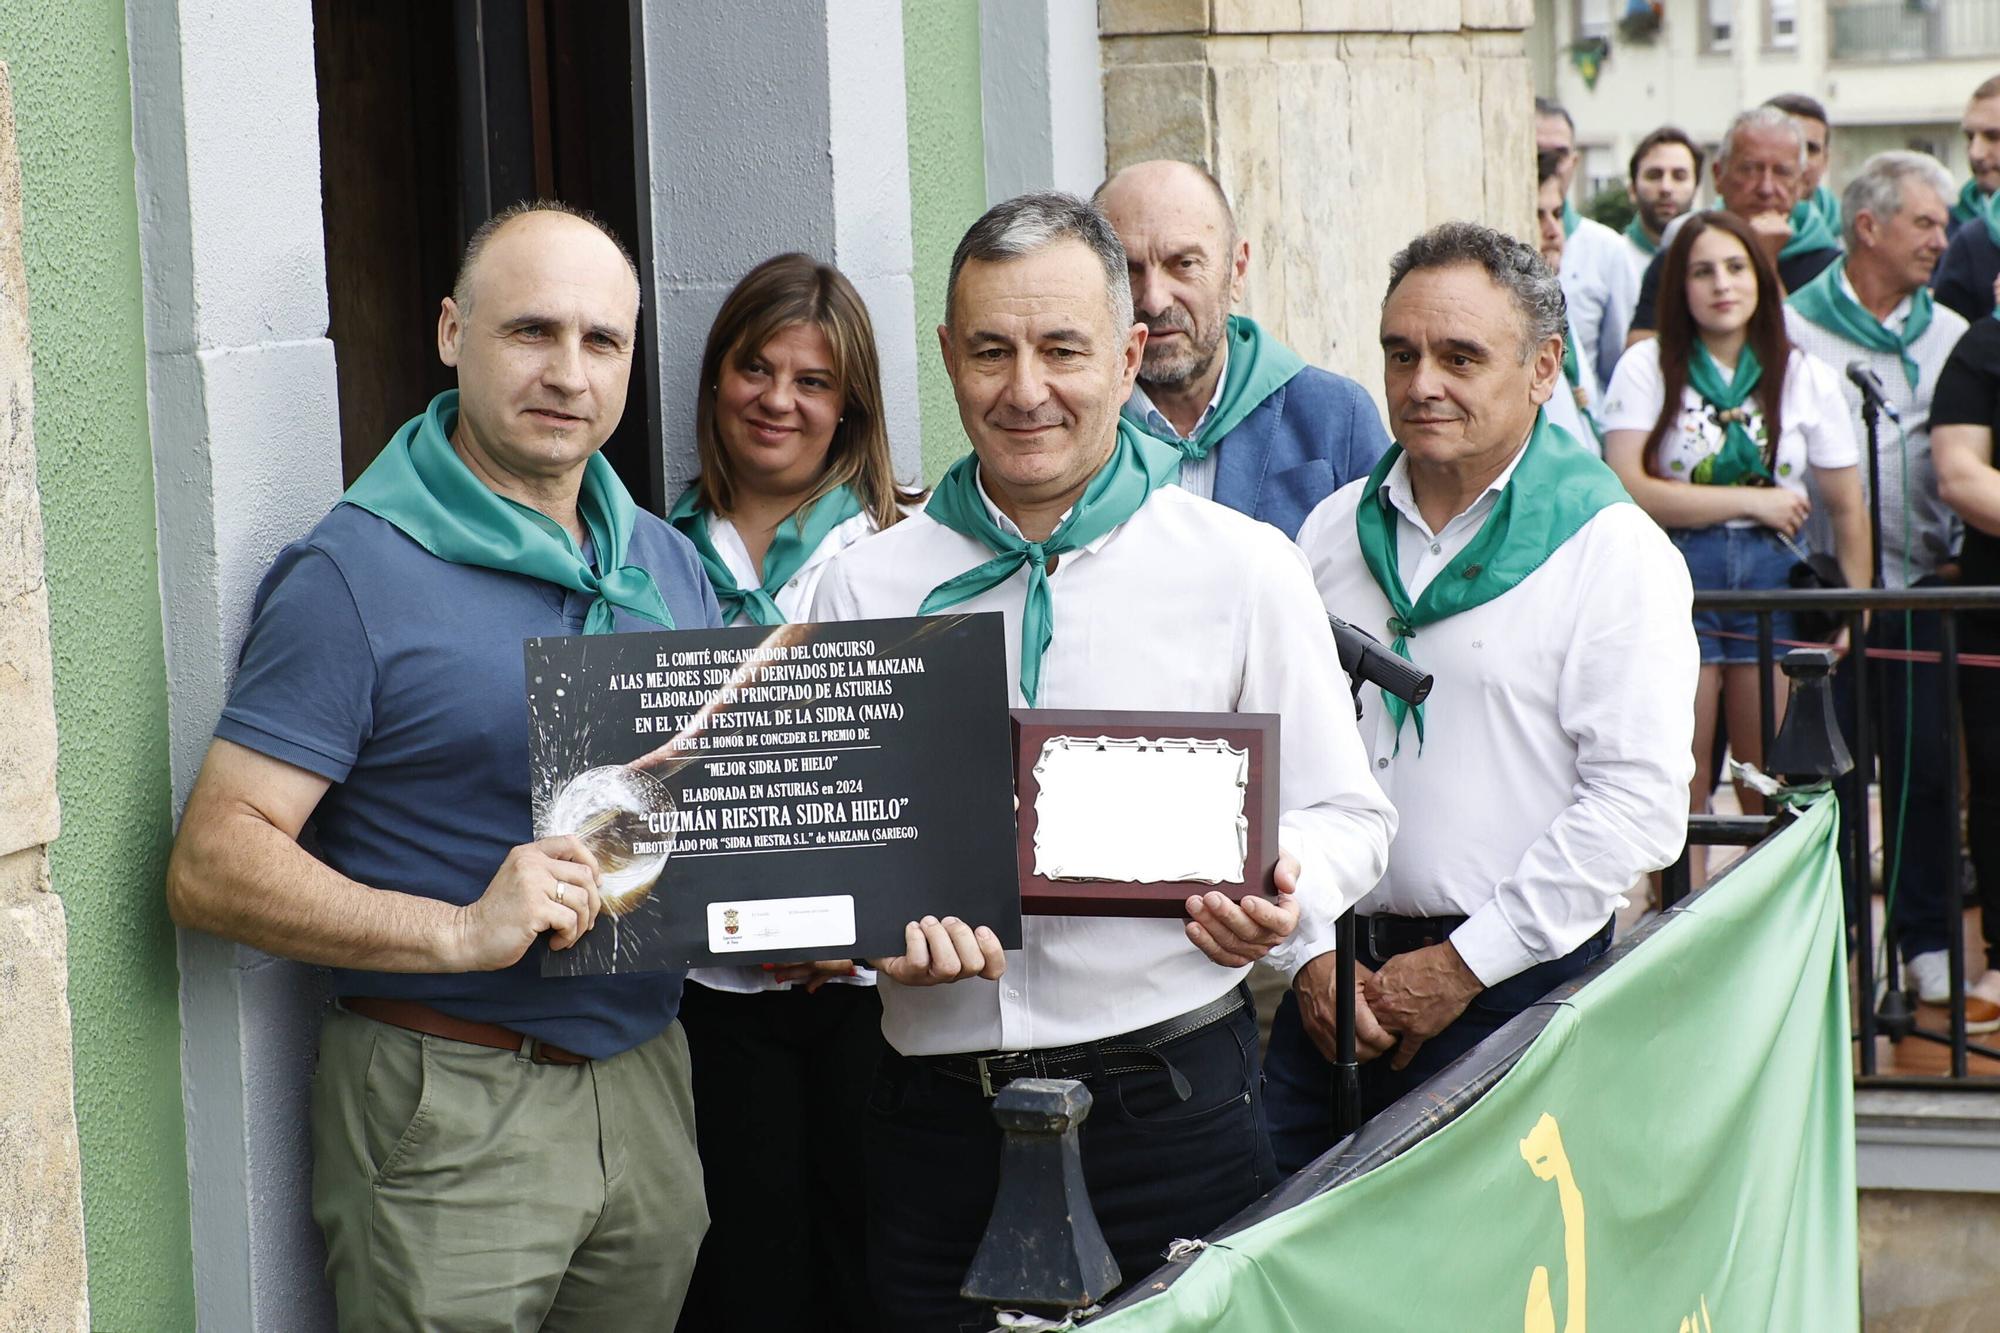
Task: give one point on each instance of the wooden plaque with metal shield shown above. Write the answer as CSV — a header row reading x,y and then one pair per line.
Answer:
x,y
1132,813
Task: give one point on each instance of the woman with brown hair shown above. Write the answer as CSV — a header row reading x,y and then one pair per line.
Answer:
x,y
795,468
1712,427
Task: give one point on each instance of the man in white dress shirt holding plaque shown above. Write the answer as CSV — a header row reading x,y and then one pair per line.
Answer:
x,y
1548,769
1119,592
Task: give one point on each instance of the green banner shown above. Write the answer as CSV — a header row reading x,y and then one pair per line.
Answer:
x,y
1674,1153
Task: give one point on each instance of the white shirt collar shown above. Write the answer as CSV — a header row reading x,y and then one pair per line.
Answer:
x,y
1396,486
1007,525
1897,317
1142,403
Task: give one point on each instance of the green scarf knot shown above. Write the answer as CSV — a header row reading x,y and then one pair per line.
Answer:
x,y
793,544
420,485
1138,466
1826,303
1739,461
1815,225
1258,367
1971,203
1557,486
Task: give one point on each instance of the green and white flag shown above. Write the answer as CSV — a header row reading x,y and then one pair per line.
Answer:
x,y
1675,1152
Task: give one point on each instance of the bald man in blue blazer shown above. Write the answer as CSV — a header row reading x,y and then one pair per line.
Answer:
x,y
1259,430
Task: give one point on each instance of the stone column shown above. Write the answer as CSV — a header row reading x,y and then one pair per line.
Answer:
x,y
1340,128
246,456
41,1174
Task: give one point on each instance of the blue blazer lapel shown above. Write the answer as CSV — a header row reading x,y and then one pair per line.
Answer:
x,y
1243,457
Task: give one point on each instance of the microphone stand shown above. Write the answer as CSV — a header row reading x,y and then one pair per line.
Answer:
x,y
1366,661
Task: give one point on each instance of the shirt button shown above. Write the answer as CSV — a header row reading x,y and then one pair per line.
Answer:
x,y
1382,762
1013,994
1435,548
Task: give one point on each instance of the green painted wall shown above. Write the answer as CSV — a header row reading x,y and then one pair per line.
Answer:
x,y
72,100
947,188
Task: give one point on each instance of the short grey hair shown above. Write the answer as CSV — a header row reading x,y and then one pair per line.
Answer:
x,y
1767,118
1030,223
1514,265
1878,189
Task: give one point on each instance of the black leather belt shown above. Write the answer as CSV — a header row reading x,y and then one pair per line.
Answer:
x,y
1386,936
1133,1052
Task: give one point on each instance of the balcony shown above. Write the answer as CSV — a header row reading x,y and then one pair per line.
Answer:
x,y
1890,31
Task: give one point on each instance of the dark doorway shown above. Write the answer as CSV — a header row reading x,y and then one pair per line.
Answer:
x,y
434,116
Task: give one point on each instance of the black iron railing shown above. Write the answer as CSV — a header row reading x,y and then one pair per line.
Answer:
x,y
1890,1014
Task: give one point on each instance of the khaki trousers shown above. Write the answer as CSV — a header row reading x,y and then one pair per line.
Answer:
x,y
469,1189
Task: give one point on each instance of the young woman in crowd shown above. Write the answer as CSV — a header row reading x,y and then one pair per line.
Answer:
x,y
795,468
1712,427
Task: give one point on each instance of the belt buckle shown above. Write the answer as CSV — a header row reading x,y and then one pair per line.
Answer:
x,y
980,1062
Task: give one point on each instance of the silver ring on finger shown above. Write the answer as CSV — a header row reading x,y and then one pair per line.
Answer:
x,y
559,896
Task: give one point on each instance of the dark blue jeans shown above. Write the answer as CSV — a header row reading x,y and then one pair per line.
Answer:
x,y
1158,1168
1298,1091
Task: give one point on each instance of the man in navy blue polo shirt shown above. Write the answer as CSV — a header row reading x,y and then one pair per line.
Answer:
x,y
492,1148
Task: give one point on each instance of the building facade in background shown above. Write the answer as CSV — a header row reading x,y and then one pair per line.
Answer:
x,y
1892,73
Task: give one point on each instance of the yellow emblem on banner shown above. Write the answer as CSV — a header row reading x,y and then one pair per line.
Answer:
x,y
1543,1151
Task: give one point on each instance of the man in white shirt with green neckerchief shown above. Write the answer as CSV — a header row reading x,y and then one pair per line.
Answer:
x,y
1548,769
1119,591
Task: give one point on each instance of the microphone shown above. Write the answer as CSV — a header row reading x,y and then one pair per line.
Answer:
x,y
1364,659
1872,391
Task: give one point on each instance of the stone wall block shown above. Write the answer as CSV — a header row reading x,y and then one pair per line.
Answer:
x,y
1455,163
28,812
1156,111
1321,269
1507,15
1118,18
1258,16
1506,114
1248,155
1345,16
41,1204
1428,16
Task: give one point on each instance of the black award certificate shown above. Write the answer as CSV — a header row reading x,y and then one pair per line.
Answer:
x,y
775,794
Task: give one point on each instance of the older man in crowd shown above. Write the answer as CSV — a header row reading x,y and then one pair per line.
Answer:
x,y
1548,770
1757,172
1258,429
1965,280
492,1148
1119,591
1873,307
1596,277
1664,176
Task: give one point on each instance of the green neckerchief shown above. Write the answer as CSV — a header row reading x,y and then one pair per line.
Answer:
x,y
1823,204
1635,232
1812,227
1571,219
791,546
419,484
1739,460
1557,487
1258,367
1989,213
1138,466
1826,303
1971,202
